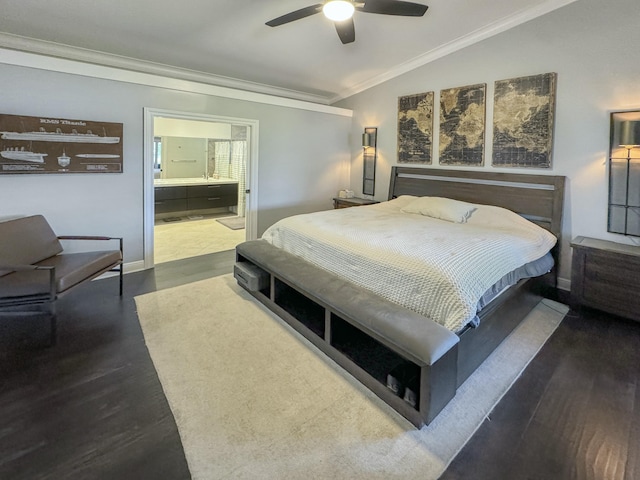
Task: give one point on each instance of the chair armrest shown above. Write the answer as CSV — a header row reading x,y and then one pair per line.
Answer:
x,y
86,237
90,237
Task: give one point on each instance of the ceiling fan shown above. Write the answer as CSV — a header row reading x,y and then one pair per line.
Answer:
x,y
341,12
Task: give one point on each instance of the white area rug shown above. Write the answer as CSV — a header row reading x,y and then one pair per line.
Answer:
x,y
255,400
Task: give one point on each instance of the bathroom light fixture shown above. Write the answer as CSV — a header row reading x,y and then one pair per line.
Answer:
x,y
369,154
338,10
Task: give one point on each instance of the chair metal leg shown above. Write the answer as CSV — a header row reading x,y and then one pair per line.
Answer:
x,y
53,319
54,329
121,275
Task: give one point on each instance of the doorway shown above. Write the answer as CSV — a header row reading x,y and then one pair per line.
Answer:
x,y
199,184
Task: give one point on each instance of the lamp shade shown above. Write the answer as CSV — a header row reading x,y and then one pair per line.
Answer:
x,y
630,134
366,139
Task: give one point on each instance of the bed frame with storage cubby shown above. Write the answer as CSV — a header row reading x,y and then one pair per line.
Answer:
x,y
370,336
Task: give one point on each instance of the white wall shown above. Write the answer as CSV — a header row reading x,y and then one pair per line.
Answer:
x,y
593,47
303,154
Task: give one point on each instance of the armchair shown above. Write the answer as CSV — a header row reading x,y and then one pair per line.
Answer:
x,y
35,272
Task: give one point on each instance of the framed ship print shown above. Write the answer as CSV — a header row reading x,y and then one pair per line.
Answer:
x,y
48,145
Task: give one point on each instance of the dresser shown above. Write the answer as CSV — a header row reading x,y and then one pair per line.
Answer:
x,y
606,276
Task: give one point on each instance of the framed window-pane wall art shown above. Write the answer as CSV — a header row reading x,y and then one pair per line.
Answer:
x,y
624,174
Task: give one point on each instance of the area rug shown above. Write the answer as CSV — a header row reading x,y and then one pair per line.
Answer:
x,y
253,399
234,223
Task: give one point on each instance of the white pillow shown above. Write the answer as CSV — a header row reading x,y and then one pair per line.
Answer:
x,y
442,208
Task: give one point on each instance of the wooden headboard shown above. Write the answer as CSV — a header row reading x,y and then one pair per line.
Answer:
x,y
538,198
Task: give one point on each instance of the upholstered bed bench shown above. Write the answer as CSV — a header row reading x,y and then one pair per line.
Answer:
x,y
371,337
364,333
34,271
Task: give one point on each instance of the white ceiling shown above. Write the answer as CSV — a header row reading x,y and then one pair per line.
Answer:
x,y
229,38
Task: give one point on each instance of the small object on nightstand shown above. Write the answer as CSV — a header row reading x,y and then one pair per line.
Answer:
x,y
346,194
606,276
351,202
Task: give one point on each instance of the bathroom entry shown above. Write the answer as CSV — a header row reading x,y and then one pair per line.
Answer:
x,y
199,186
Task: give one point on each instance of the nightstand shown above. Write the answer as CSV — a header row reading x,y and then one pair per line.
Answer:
x,y
351,202
606,276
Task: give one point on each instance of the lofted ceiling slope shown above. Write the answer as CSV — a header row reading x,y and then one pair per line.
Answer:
x,y
227,42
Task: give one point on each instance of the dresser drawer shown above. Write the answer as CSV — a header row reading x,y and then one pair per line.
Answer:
x,y
605,268
609,298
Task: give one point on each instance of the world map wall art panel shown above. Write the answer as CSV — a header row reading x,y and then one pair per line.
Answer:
x,y
415,128
523,118
462,125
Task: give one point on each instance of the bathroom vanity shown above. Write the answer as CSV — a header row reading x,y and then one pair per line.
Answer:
x,y
174,195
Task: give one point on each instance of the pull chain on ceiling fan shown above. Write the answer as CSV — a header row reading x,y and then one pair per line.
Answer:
x,y
341,12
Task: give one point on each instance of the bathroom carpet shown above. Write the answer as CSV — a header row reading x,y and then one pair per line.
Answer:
x,y
234,223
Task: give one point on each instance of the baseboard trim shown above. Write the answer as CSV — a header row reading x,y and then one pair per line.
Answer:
x,y
564,284
129,267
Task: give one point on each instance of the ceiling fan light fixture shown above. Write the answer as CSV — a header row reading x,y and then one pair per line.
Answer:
x,y
338,10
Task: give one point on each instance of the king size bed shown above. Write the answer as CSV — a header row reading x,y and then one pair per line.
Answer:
x,y
412,294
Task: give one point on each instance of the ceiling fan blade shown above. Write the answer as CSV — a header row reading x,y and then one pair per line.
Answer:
x,y
393,7
346,30
297,15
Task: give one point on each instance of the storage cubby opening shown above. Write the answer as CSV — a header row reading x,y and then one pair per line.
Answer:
x,y
303,309
372,356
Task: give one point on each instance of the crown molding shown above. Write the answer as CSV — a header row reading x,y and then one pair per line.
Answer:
x,y
490,30
29,52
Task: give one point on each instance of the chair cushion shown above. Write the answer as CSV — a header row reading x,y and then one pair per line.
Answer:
x,y
71,269
26,240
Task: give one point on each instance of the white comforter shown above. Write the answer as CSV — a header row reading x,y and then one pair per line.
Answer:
x,y
433,267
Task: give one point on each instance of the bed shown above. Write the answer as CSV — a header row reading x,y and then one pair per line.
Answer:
x,y
414,358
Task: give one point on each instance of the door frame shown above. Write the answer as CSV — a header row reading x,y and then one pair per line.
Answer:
x,y
251,206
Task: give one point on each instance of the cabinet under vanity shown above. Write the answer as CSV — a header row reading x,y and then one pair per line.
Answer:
x,y
188,196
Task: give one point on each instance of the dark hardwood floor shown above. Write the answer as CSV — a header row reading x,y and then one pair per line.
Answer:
x,y
93,407
573,414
